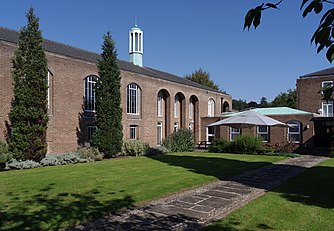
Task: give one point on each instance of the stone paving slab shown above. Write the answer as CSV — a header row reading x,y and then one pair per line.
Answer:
x,y
192,209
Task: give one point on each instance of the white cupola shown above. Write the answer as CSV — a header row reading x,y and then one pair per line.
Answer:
x,y
136,46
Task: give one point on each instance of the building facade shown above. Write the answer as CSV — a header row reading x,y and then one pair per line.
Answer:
x,y
154,103
310,98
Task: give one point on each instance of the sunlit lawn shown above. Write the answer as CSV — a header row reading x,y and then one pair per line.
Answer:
x,y
57,197
304,203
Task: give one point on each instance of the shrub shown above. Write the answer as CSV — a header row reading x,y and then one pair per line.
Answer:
x,y
134,148
161,150
180,141
219,146
26,164
246,144
87,152
62,159
5,155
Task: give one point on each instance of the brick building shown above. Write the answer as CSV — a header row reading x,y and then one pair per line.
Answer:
x,y
154,103
310,98
299,132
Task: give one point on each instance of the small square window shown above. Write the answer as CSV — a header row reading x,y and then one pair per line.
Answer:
x,y
133,132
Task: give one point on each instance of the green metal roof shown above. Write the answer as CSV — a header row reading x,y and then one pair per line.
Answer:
x,y
274,111
280,111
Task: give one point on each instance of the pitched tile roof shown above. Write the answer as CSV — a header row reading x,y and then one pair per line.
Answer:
x,y
322,73
10,35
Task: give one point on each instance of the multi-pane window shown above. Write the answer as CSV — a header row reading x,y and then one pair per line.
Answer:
x,y
132,99
294,131
176,106
91,130
210,133
263,131
234,132
211,108
159,133
327,109
133,132
159,104
326,83
90,97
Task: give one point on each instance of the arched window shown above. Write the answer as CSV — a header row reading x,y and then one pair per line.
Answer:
x,y
132,99
294,131
90,98
211,108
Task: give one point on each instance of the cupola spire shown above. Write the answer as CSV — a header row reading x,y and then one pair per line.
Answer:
x,y
136,45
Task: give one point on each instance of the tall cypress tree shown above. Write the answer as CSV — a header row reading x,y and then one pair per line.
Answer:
x,y
108,137
28,116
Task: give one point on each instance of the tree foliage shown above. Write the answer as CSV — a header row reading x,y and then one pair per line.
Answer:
x,y
285,99
323,35
108,137
239,104
28,116
202,77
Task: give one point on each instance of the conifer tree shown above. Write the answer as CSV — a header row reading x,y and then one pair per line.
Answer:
x,y
108,137
28,115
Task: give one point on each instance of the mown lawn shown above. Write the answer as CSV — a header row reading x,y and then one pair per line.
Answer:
x,y
56,197
304,203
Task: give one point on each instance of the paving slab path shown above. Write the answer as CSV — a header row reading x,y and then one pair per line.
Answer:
x,y
193,209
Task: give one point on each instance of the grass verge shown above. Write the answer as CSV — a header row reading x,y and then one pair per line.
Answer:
x,y
52,198
304,203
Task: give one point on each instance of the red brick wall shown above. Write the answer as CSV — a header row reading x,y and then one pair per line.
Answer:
x,y
68,124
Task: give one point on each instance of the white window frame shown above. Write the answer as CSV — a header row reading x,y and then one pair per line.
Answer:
x,y
90,96
132,99
326,83
234,132
263,134
211,108
133,132
327,108
176,126
209,135
91,130
292,124
159,104
159,133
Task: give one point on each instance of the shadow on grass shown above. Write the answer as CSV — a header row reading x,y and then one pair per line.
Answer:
x,y
220,168
44,212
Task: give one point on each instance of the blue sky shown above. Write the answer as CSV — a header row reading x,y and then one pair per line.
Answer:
x,y
183,36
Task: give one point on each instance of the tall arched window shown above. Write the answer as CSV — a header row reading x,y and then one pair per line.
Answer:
x,y
132,99
90,98
211,108
191,109
294,131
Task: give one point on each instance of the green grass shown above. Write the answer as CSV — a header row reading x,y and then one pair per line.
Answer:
x,y
56,197
304,203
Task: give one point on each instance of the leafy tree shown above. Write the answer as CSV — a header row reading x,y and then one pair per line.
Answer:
x,y
202,77
323,35
252,104
264,102
28,116
285,99
108,137
239,104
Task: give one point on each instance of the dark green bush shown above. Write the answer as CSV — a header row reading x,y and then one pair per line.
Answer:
x,y
180,141
5,155
219,146
161,150
246,144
